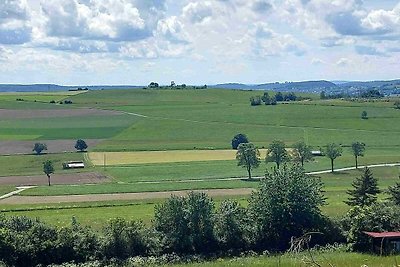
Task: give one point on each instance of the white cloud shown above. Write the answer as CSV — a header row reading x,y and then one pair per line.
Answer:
x,y
198,12
14,27
343,62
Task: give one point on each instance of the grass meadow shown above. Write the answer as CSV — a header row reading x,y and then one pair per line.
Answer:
x,y
196,121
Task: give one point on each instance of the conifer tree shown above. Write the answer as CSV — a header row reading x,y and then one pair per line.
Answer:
x,y
365,190
394,192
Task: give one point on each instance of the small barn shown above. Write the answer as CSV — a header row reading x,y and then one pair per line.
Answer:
x,y
385,242
73,165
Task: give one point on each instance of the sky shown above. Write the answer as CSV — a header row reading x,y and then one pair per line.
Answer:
x,y
135,42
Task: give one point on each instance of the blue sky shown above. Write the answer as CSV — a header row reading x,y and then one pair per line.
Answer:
x,y
89,42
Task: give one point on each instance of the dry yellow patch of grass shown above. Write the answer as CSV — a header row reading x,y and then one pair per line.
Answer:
x,y
142,157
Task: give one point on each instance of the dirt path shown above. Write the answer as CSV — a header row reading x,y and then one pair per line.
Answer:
x,y
123,196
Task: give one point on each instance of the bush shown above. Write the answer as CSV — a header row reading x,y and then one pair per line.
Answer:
x,y
380,217
255,101
231,226
286,204
124,239
39,147
67,101
186,224
239,139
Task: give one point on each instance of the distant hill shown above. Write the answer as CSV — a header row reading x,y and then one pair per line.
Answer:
x,y
55,87
305,86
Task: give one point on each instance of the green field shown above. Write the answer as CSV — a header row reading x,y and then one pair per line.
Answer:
x,y
193,120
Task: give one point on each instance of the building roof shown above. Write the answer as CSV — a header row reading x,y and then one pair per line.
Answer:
x,y
383,235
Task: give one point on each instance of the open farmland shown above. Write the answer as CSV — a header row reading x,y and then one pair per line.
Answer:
x,y
166,140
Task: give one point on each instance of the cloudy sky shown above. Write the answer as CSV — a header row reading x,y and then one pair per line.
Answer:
x,y
88,42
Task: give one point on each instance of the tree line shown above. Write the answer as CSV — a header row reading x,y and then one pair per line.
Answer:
x,y
248,155
273,100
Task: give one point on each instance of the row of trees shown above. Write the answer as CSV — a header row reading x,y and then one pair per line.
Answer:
x,y
80,145
272,100
248,156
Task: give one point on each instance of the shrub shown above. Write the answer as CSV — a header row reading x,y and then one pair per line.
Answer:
x,y
186,224
255,101
286,204
39,147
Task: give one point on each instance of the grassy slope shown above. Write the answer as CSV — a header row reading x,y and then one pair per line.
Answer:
x,y
67,127
209,118
338,259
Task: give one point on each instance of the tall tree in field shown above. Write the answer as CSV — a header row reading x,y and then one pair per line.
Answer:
x,y
302,152
248,157
365,190
239,139
333,151
358,151
48,169
277,153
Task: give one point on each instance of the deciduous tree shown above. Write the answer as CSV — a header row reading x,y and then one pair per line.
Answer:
x,y
248,157
358,150
277,153
239,139
48,169
39,147
302,152
81,145
333,151
286,204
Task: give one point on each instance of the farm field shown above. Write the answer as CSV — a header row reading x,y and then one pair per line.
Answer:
x,y
164,140
336,186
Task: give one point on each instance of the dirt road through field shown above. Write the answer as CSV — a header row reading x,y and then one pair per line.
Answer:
x,y
123,196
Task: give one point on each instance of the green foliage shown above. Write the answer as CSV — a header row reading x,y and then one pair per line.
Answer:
x,y
232,226
365,190
238,139
81,145
123,239
372,93
277,153
394,193
397,104
248,157
186,224
48,169
301,152
279,97
255,100
287,203
39,147
364,115
358,150
333,151
379,217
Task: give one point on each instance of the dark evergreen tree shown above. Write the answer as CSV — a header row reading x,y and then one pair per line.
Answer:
x,y
365,190
394,192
